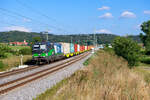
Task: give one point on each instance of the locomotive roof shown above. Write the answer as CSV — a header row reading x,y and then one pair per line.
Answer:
x,y
43,43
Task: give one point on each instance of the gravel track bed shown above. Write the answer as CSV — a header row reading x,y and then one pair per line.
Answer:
x,y
16,76
31,90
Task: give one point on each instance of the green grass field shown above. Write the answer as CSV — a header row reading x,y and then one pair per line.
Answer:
x,y
18,47
13,60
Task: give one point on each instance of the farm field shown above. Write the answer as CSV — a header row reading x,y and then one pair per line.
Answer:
x,y
10,56
13,61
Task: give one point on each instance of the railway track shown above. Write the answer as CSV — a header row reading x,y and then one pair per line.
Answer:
x,y
8,86
21,70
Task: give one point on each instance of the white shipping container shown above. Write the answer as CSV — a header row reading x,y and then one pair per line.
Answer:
x,y
55,47
78,48
66,48
85,47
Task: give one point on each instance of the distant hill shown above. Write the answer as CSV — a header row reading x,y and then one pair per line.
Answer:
x,y
12,36
135,38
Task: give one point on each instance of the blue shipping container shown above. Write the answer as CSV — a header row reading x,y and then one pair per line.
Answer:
x,y
58,48
71,47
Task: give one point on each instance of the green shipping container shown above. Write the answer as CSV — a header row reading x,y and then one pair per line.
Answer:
x,y
71,48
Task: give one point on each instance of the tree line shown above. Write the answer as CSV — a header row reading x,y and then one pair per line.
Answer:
x,y
129,49
13,36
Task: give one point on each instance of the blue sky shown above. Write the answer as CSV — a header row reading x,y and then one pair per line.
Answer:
x,y
119,17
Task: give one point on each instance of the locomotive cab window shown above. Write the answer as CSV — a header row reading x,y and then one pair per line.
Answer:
x,y
36,46
43,47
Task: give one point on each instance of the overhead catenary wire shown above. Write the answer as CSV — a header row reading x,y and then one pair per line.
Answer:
x,y
28,6
8,23
18,14
15,17
36,11
25,5
12,12
34,20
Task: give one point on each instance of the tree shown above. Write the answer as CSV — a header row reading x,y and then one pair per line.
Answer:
x,y
128,49
37,39
4,49
145,27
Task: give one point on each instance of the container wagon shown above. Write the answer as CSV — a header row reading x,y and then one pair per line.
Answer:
x,y
58,51
78,49
72,50
66,49
75,49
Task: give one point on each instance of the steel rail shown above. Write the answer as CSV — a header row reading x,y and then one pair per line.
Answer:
x,y
21,70
36,75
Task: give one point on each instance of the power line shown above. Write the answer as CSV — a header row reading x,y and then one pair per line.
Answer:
x,y
5,10
15,17
3,13
15,13
37,11
8,23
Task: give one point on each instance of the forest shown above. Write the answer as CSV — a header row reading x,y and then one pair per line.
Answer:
x,y
19,36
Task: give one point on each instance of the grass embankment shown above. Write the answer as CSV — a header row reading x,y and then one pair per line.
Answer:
x,y
106,77
13,61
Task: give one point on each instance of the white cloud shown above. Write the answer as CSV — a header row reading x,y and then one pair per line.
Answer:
x,y
127,14
106,16
104,8
103,31
147,12
16,28
26,20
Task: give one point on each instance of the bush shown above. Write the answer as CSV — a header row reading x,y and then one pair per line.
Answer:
x,y
110,50
145,60
4,49
128,49
86,63
25,51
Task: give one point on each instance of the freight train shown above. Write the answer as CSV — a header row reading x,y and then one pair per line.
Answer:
x,y
48,52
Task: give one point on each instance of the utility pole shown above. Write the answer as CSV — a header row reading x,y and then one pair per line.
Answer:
x,y
47,36
87,40
79,40
46,33
94,39
21,60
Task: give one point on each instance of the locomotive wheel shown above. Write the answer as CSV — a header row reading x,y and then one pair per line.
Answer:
x,y
52,60
48,61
